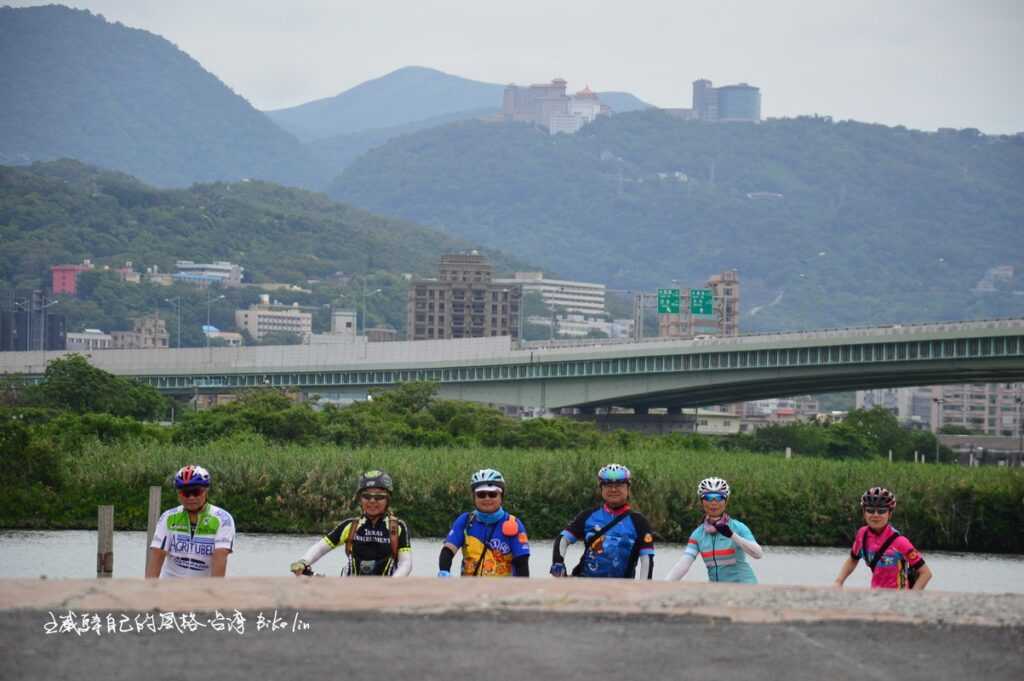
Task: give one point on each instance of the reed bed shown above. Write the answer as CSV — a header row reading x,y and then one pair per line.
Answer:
x,y
800,502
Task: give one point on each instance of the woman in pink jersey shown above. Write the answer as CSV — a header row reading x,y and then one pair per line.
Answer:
x,y
892,559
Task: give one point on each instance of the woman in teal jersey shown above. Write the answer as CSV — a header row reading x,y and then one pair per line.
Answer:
x,y
723,542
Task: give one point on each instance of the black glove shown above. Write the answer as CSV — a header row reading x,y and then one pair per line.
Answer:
x,y
724,529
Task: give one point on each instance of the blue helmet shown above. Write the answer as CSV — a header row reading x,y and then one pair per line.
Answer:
x,y
613,472
192,476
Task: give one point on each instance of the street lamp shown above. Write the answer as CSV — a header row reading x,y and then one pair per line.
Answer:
x,y
177,303
209,302
1019,399
365,296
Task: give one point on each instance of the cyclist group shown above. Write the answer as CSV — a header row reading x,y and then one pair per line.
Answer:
x,y
617,540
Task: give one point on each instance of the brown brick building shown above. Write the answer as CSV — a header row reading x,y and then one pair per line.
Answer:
x,y
463,302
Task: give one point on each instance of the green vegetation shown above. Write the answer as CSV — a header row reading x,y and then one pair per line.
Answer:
x,y
864,434
64,211
291,488
282,466
840,223
127,99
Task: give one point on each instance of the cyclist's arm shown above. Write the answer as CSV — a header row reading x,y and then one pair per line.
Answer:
x,y
680,569
156,563
404,566
219,564
560,547
521,566
645,567
924,575
848,567
749,546
317,551
157,553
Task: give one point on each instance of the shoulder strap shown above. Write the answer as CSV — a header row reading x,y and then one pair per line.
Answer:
x,y
600,533
353,527
881,549
394,527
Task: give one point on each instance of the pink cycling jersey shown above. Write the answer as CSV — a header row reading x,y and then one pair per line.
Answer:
x,y
891,570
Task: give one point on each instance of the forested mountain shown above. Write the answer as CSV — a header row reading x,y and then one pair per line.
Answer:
x,y
77,86
63,211
410,95
828,223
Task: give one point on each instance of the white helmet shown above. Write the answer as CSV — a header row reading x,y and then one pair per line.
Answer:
x,y
488,478
713,485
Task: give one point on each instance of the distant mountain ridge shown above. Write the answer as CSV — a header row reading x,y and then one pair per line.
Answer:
x,y
128,99
278,233
829,224
406,96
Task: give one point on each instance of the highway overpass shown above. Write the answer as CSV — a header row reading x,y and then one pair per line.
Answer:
x,y
653,373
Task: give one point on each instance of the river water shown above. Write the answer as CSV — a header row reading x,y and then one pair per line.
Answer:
x,y
72,553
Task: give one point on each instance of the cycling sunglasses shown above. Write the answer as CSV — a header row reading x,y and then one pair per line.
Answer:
x,y
488,495
876,511
374,497
714,496
191,491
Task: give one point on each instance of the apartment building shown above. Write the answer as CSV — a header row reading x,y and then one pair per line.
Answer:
x,y
204,274
148,333
265,317
569,297
463,302
88,340
988,408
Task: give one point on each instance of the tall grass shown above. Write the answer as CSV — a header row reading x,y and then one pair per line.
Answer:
x,y
804,502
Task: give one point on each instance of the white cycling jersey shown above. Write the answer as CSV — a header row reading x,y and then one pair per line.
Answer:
x,y
190,549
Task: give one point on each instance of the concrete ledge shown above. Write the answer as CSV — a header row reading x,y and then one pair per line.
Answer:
x,y
418,595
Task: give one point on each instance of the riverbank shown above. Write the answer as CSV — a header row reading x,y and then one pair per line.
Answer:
x,y
279,488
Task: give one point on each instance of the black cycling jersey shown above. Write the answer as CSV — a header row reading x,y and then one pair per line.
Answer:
x,y
371,545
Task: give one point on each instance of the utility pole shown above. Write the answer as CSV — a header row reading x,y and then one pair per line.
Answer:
x,y
178,306
938,419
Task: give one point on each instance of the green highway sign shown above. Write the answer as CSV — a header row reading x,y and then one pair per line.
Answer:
x,y
668,301
701,301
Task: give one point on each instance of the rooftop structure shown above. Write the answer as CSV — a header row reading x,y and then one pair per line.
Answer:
x,y
204,274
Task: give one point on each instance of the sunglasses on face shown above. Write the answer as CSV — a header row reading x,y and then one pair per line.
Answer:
x,y
488,495
876,511
191,491
713,497
375,497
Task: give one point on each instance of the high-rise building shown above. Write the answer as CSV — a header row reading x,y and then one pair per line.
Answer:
x,y
989,408
463,302
729,103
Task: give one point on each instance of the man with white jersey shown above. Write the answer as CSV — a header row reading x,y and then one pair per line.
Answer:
x,y
196,536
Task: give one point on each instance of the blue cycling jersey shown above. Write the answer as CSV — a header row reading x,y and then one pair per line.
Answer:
x,y
615,553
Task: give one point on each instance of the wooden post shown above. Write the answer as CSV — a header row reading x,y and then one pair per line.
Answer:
x,y
890,456
915,456
154,516
789,453
105,541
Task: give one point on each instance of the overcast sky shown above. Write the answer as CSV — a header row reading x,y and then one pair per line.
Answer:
x,y
920,63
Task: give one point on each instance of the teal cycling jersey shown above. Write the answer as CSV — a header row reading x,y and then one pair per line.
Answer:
x,y
725,561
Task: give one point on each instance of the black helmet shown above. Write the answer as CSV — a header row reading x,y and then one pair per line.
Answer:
x,y
375,478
